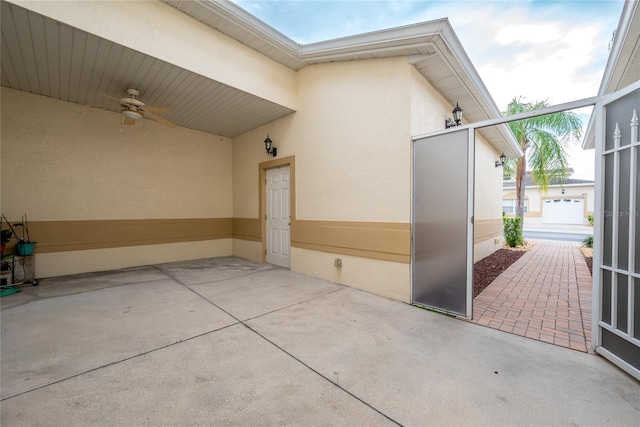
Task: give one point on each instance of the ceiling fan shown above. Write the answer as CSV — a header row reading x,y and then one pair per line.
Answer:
x,y
132,109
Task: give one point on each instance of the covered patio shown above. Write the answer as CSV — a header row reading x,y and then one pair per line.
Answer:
x,y
225,341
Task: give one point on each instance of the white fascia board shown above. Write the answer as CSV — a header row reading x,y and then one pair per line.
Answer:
x,y
614,70
383,40
253,25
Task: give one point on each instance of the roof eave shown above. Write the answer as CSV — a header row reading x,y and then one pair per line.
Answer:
x,y
613,74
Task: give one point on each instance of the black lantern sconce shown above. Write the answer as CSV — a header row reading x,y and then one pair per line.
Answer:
x,y
457,118
268,145
501,160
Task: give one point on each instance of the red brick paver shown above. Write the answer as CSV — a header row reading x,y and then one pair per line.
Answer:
x,y
545,296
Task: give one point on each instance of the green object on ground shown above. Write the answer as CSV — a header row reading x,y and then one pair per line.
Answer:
x,y
9,290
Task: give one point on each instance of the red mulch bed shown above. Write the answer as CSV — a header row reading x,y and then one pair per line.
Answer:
x,y
487,269
589,261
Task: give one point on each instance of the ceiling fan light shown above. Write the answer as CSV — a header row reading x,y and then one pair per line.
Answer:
x,y
130,114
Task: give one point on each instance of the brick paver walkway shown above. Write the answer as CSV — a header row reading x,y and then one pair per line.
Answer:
x,y
545,295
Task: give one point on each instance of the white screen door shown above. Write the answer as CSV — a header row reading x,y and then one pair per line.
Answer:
x,y
617,266
278,216
442,271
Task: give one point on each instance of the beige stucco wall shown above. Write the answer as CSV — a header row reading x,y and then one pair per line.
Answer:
x,y
487,200
352,156
386,278
64,161
68,162
352,145
429,109
158,30
63,263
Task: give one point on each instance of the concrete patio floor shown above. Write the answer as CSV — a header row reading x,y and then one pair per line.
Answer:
x,y
229,342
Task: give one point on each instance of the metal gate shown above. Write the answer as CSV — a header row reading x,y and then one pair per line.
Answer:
x,y
442,222
441,265
617,250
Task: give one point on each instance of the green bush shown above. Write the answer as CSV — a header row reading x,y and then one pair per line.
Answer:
x,y
588,242
590,219
512,231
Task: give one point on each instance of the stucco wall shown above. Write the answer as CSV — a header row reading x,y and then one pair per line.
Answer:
x,y
488,200
68,164
352,142
429,109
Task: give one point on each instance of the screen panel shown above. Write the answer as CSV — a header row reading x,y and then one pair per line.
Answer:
x,y
441,222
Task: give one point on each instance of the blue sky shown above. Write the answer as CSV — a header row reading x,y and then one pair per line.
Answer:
x,y
541,50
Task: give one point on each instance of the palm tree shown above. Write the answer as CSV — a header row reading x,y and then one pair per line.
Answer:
x,y
543,141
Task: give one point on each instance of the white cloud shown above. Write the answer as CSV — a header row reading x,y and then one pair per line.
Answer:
x,y
537,34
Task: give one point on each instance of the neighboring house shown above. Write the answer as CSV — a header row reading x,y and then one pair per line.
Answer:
x,y
569,202
341,114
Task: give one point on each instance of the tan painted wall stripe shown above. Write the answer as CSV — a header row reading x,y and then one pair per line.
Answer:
x,y
60,236
355,252
376,240
385,238
485,229
247,229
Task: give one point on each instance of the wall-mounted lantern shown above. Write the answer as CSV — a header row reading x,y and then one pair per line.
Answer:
x,y
268,145
457,118
501,160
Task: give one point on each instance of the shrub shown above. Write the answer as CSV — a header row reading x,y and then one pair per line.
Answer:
x,y
590,219
512,231
588,241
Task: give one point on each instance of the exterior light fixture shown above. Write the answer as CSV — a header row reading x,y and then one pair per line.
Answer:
x,y
457,118
501,160
268,145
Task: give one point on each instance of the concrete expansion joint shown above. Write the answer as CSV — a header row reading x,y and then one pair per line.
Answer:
x,y
97,368
249,328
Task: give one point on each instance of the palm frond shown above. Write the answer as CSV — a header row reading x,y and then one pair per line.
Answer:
x,y
544,140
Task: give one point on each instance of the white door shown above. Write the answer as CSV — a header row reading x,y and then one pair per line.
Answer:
x,y
278,217
563,211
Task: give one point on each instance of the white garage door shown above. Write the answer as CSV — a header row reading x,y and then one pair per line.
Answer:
x,y
563,211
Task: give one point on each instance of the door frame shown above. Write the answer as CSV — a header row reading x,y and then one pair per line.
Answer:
x,y
262,196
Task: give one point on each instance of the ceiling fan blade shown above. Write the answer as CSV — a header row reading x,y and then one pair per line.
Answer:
x,y
160,119
154,109
128,121
111,97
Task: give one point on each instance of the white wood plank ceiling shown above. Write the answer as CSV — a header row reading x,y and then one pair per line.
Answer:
x,y
45,57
